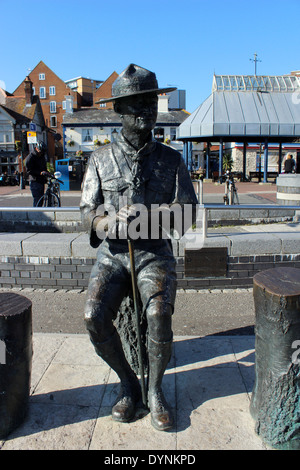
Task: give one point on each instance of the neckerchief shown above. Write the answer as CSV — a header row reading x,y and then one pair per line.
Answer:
x,y
139,162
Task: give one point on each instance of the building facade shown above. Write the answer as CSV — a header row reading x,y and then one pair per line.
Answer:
x,y
52,92
86,89
104,91
86,129
18,116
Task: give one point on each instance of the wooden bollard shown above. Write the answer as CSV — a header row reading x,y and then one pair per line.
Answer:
x,y
275,401
15,360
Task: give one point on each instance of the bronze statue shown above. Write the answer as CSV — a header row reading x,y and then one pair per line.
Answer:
x,y
135,172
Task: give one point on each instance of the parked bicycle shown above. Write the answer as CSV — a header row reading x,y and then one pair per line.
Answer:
x,y
51,198
231,196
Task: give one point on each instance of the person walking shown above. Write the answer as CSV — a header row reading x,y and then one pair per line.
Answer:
x,y
36,167
289,164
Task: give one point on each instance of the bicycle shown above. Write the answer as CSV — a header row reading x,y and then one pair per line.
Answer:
x,y
51,198
231,196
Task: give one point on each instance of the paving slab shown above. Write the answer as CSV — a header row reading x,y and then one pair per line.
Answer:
x,y
45,244
11,243
208,385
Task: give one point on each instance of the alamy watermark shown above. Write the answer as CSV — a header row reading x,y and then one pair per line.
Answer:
x,y
296,354
2,352
136,221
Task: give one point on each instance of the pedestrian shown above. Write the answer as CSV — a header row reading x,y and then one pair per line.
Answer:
x,y
36,167
289,164
137,169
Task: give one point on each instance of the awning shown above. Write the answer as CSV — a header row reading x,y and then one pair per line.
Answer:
x,y
247,108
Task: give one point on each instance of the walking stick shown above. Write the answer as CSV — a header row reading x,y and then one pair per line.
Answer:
x,y
138,319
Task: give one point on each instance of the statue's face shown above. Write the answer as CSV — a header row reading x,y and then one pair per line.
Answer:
x,y
138,113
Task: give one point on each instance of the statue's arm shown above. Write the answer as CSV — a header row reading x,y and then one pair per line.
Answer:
x,y
91,201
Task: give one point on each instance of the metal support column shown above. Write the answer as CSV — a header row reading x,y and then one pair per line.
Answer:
x,y
185,153
266,157
207,160
190,156
244,160
280,158
220,158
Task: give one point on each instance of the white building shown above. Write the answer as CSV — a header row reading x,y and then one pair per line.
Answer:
x,y
86,129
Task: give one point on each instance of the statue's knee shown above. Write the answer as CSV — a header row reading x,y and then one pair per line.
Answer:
x,y
159,318
98,320
159,309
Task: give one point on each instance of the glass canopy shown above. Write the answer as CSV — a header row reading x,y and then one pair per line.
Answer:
x,y
283,83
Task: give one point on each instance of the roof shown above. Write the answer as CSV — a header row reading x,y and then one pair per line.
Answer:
x,y
84,78
252,108
96,116
266,83
16,107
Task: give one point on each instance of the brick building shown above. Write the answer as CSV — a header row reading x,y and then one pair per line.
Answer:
x,y
86,89
104,91
18,115
52,93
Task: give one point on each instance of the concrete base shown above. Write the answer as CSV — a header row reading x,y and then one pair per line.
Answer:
x,y
288,189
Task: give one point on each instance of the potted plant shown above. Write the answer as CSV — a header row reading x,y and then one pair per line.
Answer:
x,y
70,143
97,143
79,153
227,162
106,141
18,145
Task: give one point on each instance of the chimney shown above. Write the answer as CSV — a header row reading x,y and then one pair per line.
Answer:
x,y
69,104
28,91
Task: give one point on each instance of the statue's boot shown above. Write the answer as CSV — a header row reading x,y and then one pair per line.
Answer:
x,y
159,355
112,352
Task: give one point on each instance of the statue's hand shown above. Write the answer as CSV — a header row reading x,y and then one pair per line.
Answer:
x,y
128,213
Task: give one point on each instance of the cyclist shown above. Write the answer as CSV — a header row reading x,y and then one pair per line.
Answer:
x,y
36,167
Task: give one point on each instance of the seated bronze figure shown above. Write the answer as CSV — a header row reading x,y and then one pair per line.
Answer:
x,y
134,171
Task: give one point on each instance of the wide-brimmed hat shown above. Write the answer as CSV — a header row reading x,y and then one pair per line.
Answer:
x,y
134,80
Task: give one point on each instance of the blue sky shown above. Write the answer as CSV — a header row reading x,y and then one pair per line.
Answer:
x,y
183,41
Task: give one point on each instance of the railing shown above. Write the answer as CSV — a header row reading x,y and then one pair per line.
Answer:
x,y
206,207
41,209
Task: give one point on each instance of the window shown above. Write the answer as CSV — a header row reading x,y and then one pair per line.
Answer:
x,y
41,76
114,135
52,106
173,133
53,121
72,84
33,91
5,137
159,134
102,105
87,136
64,104
42,92
52,90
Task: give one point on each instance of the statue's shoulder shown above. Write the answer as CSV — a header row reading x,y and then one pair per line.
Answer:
x,y
103,159
102,152
171,156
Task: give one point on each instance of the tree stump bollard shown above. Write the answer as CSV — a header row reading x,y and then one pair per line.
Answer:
x,y
15,360
275,401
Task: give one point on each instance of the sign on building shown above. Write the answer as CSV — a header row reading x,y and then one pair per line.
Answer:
x,y
31,137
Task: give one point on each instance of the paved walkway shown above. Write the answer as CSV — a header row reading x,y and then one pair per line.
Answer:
x,y
249,193
208,385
